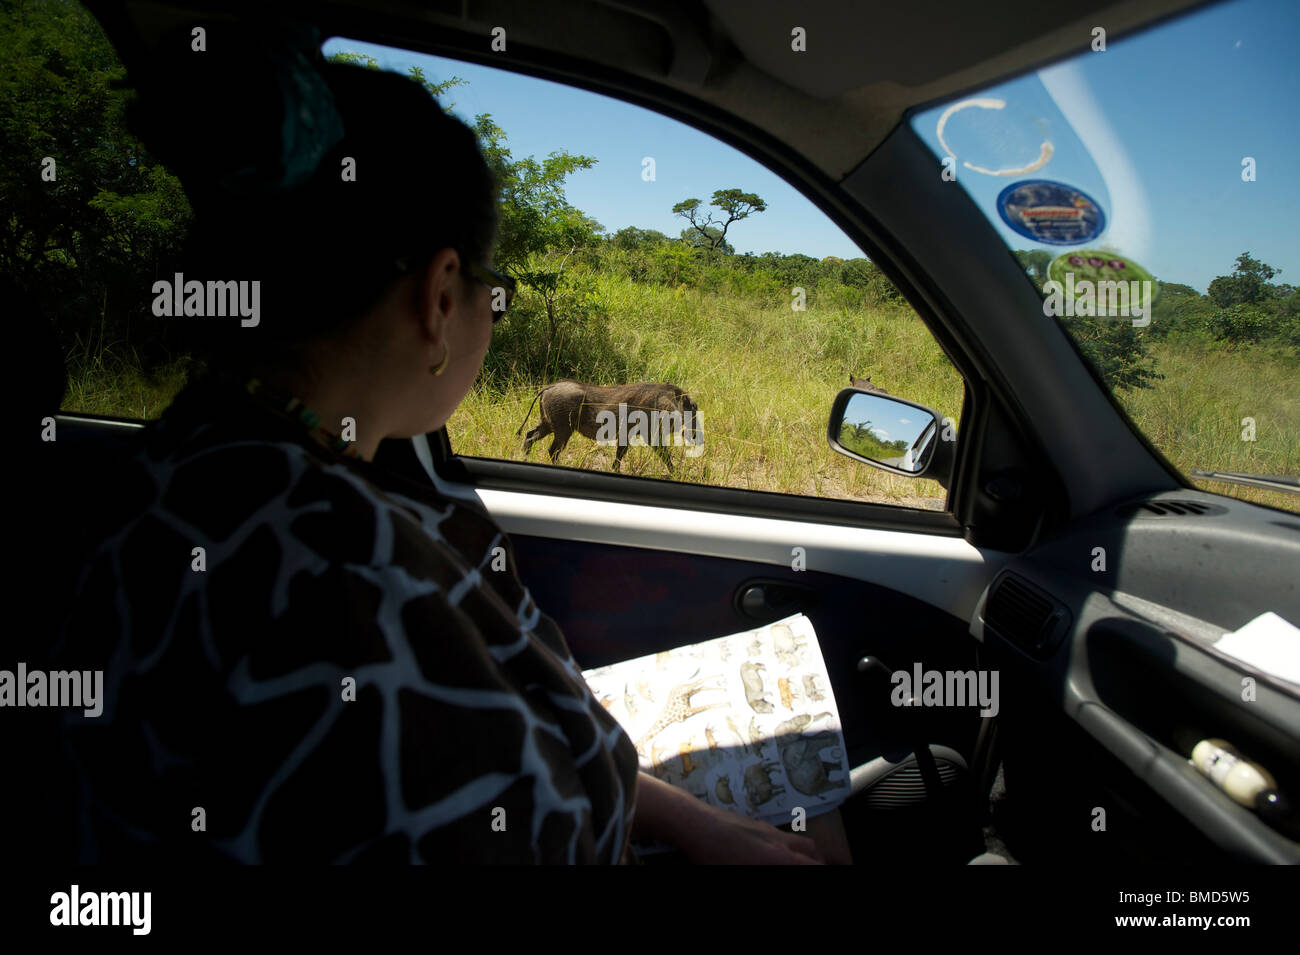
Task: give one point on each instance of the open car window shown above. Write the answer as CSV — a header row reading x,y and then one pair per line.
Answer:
x,y
1146,189
647,251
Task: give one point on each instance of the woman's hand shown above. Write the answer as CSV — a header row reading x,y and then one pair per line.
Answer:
x,y
728,838
708,835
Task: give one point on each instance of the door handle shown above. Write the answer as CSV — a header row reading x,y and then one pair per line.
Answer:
x,y
768,599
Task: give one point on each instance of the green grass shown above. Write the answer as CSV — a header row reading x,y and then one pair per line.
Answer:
x,y
109,380
1195,415
765,376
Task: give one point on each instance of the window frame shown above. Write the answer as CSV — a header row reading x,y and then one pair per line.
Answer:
x,y
824,195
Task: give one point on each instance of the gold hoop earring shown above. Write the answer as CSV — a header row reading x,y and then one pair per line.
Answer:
x,y
439,368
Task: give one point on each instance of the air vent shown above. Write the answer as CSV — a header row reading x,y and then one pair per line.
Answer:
x,y
1025,616
893,779
1172,509
906,787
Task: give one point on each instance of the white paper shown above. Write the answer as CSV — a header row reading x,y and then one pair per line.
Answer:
x,y
1268,643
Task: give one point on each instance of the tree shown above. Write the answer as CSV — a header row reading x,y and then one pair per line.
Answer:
x,y
535,215
736,204
435,90
539,231
85,242
1116,348
634,238
1248,284
709,237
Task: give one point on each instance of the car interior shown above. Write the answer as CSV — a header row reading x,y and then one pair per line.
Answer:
x,y
1108,671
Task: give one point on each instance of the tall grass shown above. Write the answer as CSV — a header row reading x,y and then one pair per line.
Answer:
x,y
1196,415
763,375
108,378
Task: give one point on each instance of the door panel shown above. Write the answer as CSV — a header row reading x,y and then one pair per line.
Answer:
x,y
943,570
617,603
624,580
1106,717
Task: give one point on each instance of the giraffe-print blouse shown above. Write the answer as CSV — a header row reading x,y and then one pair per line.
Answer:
x,y
348,670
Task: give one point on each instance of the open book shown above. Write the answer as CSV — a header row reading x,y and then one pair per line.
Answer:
x,y
746,722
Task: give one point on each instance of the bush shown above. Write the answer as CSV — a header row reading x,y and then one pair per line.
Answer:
x,y
1242,323
1117,349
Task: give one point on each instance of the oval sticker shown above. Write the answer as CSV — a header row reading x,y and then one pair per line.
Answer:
x,y
1051,212
1099,283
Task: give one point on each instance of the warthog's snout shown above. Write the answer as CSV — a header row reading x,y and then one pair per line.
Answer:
x,y
661,414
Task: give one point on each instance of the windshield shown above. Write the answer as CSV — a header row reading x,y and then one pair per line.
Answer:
x,y
1147,188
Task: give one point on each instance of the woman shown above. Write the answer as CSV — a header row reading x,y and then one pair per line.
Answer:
x,y
307,657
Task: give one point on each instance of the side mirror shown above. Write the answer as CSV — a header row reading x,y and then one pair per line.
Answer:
x,y
883,431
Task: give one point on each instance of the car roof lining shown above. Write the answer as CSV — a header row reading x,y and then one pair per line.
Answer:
x,y
872,61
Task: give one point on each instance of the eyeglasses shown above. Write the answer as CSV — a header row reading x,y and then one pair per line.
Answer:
x,y
489,277
493,280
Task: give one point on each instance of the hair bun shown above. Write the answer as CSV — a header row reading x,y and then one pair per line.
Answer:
x,y
248,116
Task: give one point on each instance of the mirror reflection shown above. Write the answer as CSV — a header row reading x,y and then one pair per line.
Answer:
x,y
893,433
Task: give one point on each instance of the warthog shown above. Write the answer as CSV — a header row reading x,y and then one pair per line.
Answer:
x,y
941,467
661,414
866,385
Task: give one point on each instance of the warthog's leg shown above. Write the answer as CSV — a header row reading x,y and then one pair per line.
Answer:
x,y
532,437
563,433
664,456
557,445
660,450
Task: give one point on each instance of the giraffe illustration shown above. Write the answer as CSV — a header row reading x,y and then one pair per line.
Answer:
x,y
678,709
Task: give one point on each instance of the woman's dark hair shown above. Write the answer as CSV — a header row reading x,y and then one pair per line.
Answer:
x,y
323,229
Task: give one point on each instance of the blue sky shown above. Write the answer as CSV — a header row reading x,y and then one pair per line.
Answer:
x,y
1155,129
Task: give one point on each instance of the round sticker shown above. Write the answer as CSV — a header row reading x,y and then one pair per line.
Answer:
x,y
1050,212
1088,274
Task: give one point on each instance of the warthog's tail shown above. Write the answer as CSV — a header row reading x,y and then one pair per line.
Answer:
x,y
530,412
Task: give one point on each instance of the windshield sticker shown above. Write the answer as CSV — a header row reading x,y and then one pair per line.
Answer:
x,y
1099,284
1045,150
1051,213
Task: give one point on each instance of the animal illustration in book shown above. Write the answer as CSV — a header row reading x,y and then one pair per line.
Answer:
x,y
689,765
812,687
751,675
679,709
773,740
800,755
759,787
788,647
786,692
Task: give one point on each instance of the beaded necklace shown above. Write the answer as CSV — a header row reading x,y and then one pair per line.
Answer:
x,y
292,408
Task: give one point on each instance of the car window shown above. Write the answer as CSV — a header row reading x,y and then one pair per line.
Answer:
x,y
647,251
92,220
644,251
1146,188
